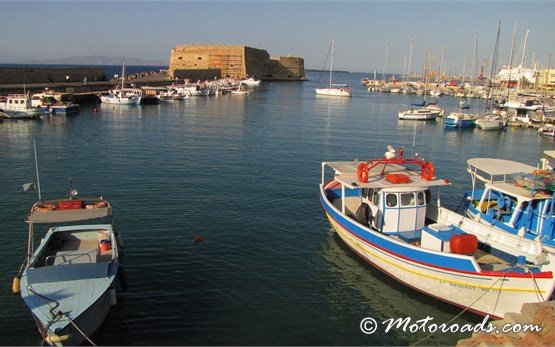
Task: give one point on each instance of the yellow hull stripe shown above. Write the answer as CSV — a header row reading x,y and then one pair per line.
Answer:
x,y
339,229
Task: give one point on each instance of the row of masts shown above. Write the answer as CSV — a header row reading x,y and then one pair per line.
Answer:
x,y
441,75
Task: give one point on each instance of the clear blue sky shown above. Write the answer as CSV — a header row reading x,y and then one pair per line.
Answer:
x,y
149,29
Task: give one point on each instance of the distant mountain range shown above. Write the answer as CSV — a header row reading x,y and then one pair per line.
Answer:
x,y
100,60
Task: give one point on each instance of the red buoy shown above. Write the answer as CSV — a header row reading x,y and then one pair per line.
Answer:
x,y
198,238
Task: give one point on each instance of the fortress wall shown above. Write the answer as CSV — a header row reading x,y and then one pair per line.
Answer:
x,y
20,75
233,61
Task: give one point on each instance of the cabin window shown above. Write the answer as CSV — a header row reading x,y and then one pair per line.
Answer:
x,y
421,200
391,200
407,199
364,192
376,199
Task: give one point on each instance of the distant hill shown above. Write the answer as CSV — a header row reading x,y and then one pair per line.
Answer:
x,y
100,60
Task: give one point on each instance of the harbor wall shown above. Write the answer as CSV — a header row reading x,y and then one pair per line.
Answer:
x,y
21,75
233,61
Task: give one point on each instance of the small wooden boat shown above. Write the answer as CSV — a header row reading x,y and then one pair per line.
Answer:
x,y
384,210
69,282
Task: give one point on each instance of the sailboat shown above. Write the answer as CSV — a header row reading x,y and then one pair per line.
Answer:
x,y
334,89
491,120
419,111
123,96
461,119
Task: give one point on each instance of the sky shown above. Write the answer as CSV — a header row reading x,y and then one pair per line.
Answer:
x,y
45,30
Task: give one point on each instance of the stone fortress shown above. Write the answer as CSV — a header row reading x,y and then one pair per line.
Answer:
x,y
192,61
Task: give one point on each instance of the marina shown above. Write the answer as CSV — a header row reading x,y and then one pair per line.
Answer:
x,y
242,172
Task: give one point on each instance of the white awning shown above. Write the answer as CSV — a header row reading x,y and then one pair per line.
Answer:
x,y
495,167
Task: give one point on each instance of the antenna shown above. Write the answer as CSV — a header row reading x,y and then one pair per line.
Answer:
x,y
37,169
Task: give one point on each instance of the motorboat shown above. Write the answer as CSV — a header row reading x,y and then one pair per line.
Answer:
x,y
19,106
388,211
491,121
58,103
251,82
460,120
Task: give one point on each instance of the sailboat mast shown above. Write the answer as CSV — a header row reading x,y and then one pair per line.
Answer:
x,y
331,63
522,62
464,72
495,51
410,60
385,62
474,63
440,64
123,76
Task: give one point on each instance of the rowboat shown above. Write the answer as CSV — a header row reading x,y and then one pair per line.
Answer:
x,y
388,211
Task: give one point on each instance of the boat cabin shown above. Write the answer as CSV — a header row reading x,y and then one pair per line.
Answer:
x,y
517,198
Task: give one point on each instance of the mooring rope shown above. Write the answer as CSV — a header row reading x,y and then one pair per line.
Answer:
x,y
465,309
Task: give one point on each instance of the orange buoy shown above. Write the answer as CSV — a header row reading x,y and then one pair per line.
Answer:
x,y
198,238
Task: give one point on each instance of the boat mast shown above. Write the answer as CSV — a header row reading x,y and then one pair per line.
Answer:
x,y
474,63
511,59
331,63
123,75
440,64
464,72
495,51
522,62
385,62
410,60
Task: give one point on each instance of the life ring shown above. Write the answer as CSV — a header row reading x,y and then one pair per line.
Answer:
x,y
428,171
362,172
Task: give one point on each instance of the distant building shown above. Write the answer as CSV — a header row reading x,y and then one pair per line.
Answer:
x,y
235,61
511,76
546,79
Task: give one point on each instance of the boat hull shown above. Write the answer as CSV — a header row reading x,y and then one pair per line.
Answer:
x,y
480,292
408,115
88,322
333,92
120,101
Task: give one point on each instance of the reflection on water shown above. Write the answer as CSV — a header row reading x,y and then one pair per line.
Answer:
x,y
382,298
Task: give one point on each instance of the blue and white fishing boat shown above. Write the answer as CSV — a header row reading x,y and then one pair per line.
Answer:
x,y
460,120
383,210
515,198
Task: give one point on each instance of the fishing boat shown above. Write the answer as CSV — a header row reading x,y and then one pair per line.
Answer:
x,y
69,281
384,210
122,95
460,120
334,89
19,106
516,199
58,103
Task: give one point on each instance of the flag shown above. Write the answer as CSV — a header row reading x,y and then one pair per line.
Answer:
x,y
28,186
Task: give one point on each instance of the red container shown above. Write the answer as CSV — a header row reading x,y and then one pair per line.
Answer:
x,y
397,178
70,204
464,244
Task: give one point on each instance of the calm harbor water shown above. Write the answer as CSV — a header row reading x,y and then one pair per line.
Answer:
x,y
242,172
